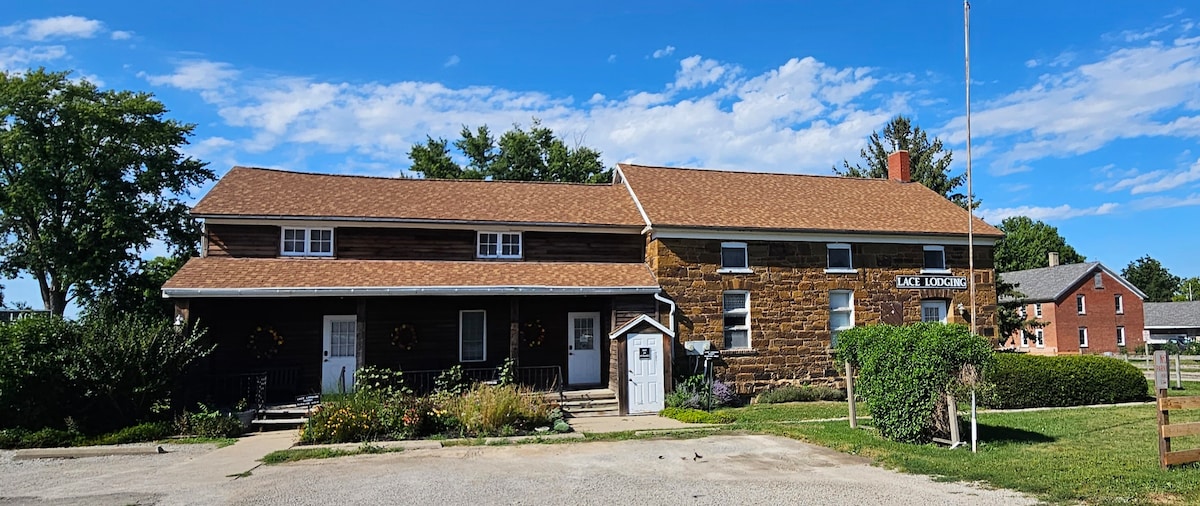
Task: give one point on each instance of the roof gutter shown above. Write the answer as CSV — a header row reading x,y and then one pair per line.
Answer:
x,y
169,293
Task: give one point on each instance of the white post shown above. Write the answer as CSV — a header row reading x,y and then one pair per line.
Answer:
x,y
850,395
952,409
1178,374
974,426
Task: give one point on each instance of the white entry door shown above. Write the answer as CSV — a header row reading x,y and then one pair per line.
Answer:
x,y
646,385
340,357
583,348
933,311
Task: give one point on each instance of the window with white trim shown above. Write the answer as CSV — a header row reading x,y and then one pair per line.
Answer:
x,y
935,259
734,257
1037,310
499,245
315,242
1022,313
1024,339
839,257
1080,307
472,335
841,312
736,306
1119,301
1083,339
1120,336
1039,338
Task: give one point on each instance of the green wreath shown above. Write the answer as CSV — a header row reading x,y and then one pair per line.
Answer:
x,y
533,333
264,342
404,336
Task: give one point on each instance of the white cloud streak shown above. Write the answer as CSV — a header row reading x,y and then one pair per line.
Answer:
x,y
452,61
18,59
196,75
1062,212
59,27
1154,181
663,53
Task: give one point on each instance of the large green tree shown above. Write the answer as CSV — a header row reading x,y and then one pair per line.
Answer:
x,y
138,292
1027,243
524,155
1151,277
1189,289
88,178
930,161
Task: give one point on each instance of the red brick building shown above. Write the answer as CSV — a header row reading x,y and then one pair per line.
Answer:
x,y
1087,309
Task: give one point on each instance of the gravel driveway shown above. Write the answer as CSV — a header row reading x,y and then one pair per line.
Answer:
x,y
729,470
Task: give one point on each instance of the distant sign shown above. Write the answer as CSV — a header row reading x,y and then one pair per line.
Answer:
x,y
19,314
925,282
644,353
1160,370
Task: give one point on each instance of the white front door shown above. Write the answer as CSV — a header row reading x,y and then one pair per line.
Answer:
x,y
583,348
340,356
933,311
646,385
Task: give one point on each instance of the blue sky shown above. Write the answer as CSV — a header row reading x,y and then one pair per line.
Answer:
x,y
1084,117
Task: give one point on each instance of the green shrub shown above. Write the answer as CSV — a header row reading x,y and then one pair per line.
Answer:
x,y
486,409
905,372
802,393
352,418
208,423
688,415
452,381
150,431
693,392
388,382
1018,380
50,438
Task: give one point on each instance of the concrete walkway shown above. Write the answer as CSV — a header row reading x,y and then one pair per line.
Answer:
x,y
234,461
602,424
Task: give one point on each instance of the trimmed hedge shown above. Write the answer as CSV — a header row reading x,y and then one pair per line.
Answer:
x,y
802,393
689,415
1032,381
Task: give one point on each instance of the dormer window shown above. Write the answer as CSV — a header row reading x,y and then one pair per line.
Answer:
x,y
310,242
734,257
499,245
935,260
839,258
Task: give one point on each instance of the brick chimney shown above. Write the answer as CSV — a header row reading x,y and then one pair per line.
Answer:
x,y
899,167
1053,258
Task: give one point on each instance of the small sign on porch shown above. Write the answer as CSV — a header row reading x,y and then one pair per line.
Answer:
x,y
922,282
644,353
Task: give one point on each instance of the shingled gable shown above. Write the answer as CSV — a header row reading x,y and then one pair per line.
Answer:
x,y
1049,284
265,193
713,199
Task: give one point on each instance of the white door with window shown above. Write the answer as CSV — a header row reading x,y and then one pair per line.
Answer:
x,y
933,311
340,356
646,386
583,348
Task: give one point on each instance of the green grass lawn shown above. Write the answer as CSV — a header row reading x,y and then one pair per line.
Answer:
x,y
1091,455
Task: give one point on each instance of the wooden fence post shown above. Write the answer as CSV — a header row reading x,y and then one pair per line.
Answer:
x,y
850,395
952,409
1164,443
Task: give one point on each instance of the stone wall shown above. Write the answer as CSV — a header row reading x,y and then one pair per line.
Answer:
x,y
789,301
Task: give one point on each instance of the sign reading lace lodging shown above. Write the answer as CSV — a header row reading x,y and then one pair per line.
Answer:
x,y
923,282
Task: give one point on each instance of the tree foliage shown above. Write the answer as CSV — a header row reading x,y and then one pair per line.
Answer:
x,y
905,372
1027,243
88,178
521,155
1008,313
930,161
140,291
1189,289
1151,277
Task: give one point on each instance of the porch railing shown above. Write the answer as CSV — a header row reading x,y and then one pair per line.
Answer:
x,y
545,378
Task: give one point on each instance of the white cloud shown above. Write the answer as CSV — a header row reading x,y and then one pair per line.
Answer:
x,y
1031,63
612,58
1045,213
1154,181
663,53
452,61
1162,202
195,75
121,35
802,116
1125,94
60,27
17,59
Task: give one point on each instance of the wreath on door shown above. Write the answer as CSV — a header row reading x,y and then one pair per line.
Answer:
x,y
264,342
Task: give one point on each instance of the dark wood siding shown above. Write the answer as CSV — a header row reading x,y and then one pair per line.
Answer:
x,y
243,240
582,247
404,244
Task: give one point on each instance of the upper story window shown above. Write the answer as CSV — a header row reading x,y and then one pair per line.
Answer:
x,y
935,259
737,319
1080,307
1021,312
1037,310
840,259
734,257
499,245
1120,303
316,242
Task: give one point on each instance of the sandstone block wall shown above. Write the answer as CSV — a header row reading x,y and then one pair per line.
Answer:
x,y
789,300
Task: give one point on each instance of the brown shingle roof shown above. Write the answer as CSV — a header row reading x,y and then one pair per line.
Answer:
x,y
753,200
273,193
224,273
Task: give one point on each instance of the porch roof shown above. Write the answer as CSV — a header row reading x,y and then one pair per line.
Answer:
x,y
306,277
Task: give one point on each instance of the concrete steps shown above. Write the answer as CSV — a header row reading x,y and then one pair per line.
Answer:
x,y
585,403
286,416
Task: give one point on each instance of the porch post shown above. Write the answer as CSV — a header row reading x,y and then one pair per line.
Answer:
x,y
514,329
361,333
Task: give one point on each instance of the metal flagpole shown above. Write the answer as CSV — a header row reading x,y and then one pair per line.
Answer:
x,y
970,205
